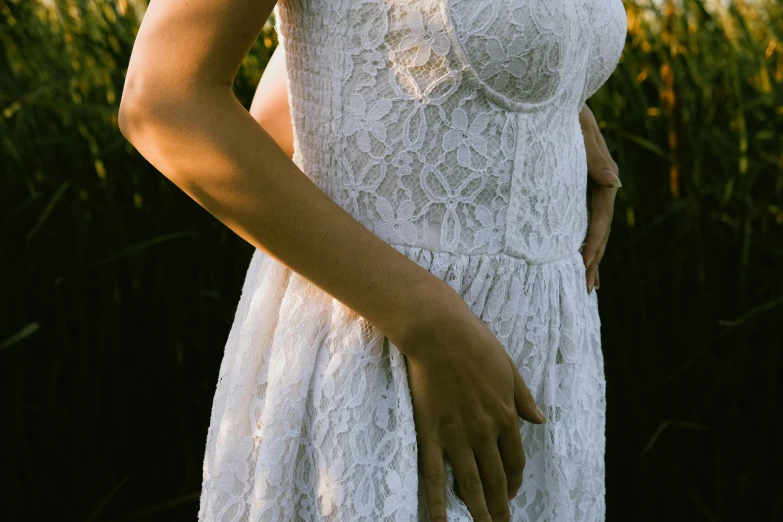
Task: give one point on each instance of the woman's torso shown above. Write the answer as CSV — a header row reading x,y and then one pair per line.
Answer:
x,y
451,125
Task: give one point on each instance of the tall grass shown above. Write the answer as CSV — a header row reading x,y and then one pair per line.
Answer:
x,y
693,300
118,290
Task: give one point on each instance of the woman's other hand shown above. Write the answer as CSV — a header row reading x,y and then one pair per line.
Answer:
x,y
602,186
467,396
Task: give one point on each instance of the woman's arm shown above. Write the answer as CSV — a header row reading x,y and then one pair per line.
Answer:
x,y
179,111
270,106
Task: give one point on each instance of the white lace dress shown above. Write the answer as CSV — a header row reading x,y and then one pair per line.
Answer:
x,y
449,128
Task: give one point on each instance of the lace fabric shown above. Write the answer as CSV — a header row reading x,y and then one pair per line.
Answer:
x,y
450,129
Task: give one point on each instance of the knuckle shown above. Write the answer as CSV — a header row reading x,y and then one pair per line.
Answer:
x,y
434,477
484,434
482,426
511,409
516,464
451,431
496,484
514,483
437,508
510,421
449,421
470,484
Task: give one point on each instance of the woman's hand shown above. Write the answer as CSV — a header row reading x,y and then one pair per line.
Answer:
x,y
467,396
602,186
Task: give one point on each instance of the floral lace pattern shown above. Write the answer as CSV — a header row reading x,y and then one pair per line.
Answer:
x,y
450,129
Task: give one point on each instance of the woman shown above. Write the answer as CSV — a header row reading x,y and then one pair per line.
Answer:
x,y
419,279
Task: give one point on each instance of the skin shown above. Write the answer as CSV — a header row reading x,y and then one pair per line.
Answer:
x,y
603,184
270,106
179,111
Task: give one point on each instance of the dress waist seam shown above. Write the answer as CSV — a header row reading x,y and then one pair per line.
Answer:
x,y
570,258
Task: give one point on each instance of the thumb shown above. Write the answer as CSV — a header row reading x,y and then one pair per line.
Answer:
x,y
524,401
600,166
605,176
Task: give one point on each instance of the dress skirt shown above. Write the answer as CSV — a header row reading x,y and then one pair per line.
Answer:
x,y
312,417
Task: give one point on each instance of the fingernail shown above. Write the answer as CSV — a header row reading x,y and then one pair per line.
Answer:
x,y
541,416
610,178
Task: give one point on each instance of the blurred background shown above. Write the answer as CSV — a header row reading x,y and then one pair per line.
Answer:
x,y
117,291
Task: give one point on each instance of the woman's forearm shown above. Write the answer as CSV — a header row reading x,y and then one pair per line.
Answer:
x,y
207,144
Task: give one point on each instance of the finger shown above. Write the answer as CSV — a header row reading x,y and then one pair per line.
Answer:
x,y
513,455
600,223
596,233
468,481
603,211
597,279
593,270
493,479
434,474
600,166
523,399
592,186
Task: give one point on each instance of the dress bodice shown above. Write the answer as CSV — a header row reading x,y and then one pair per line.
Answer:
x,y
451,125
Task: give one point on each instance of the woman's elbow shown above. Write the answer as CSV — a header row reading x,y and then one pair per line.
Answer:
x,y
132,104
127,116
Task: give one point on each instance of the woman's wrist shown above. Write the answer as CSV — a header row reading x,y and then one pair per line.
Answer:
x,y
430,300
